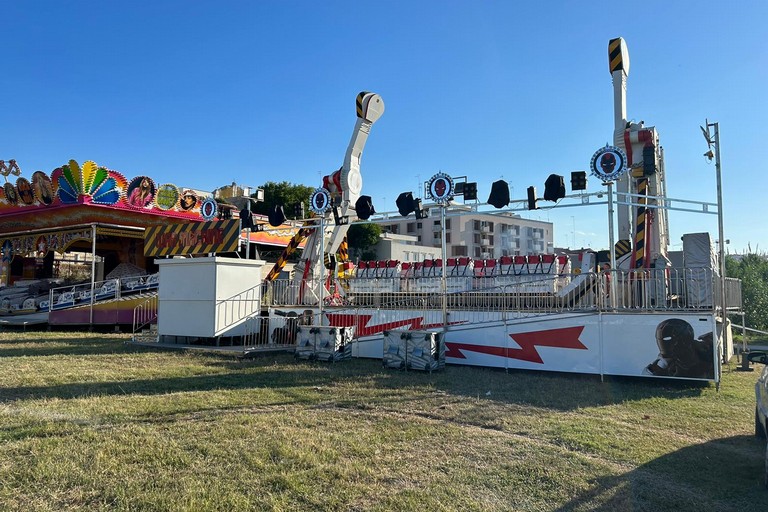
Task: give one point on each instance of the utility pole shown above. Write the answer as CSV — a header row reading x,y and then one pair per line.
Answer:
x,y
715,141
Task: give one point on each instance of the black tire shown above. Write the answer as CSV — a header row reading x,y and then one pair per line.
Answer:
x,y
759,427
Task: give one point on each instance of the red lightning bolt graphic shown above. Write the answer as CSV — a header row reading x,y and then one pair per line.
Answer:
x,y
360,323
567,337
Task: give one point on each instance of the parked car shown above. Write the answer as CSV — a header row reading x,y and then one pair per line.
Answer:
x,y
761,403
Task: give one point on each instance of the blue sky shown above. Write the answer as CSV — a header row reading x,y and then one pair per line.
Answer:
x,y
201,94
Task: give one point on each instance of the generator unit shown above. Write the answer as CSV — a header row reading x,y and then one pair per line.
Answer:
x,y
414,350
324,343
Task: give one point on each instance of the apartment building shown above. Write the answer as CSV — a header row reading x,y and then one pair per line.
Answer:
x,y
479,235
404,248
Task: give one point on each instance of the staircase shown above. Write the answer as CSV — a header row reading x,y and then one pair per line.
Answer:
x,y
145,322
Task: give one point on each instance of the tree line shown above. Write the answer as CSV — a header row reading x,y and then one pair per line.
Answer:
x,y
752,269
360,237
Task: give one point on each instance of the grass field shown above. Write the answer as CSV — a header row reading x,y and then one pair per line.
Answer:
x,y
87,423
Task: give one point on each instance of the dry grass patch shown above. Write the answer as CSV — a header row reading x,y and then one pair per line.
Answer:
x,y
87,423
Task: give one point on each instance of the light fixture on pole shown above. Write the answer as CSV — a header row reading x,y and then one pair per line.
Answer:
x,y
246,216
608,164
713,142
440,188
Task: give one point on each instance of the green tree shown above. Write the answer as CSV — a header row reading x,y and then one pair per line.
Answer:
x,y
752,269
285,194
361,239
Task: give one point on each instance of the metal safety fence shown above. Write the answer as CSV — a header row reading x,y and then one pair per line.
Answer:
x,y
642,290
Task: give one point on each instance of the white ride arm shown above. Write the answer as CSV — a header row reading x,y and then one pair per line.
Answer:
x,y
618,64
344,186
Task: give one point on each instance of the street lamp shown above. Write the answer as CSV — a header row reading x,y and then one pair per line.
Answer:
x,y
713,141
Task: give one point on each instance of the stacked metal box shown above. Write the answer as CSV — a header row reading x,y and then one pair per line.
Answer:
x,y
394,349
305,343
324,343
414,350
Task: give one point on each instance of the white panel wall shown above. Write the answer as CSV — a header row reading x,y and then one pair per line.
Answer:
x,y
190,289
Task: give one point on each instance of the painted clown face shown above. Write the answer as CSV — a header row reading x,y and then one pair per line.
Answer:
x,y
608,163
440,187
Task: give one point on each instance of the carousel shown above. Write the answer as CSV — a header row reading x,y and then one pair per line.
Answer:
x,y
73,241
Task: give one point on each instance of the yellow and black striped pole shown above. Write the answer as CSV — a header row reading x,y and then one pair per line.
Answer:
x,y
623,247
618,56
641,222
344,273
343,251
359,104
290,249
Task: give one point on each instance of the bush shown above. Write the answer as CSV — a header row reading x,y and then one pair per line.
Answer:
x,y
752,269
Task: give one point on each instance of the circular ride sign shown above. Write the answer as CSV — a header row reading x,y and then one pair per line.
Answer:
x,y
320,201
167,196
208,209
440,188
608,163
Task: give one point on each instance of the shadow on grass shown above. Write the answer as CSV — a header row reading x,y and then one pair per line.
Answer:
x,y
554,390
543,389
161,385
64,346
723,474
562,391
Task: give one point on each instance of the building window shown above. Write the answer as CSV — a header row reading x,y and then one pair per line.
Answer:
x,y
476,225
418,225
447,238
476,238
459,250
477,252
447,223
411,227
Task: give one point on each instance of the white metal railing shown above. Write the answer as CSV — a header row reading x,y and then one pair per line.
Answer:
x,y
133,284
80,294
530,293
667,289
144,314
236,309
272,331
284,292
663,289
